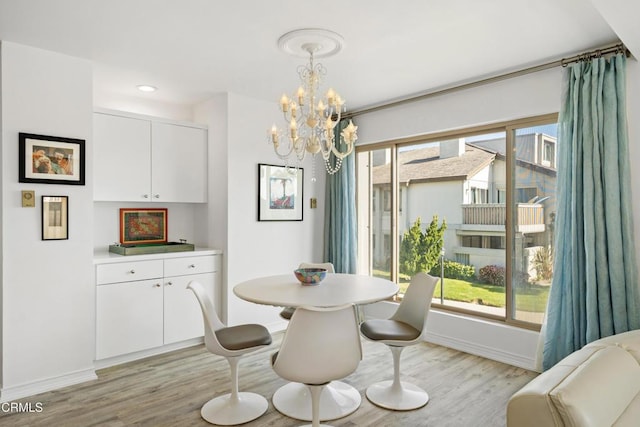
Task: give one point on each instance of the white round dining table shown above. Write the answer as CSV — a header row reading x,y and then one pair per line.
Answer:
x,y
338,399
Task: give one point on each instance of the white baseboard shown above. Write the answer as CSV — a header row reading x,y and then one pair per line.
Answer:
x,y
482,351
8,394
491,340
18,392
130,357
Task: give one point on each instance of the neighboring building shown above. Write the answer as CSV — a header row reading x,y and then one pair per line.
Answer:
x,y
465,184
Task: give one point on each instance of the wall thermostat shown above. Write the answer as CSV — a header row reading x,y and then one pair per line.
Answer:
x,y
28,199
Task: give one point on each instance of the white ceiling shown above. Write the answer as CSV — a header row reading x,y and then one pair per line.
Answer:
x,y
191,49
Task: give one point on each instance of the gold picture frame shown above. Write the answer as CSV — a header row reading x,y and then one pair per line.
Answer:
x,y
143,226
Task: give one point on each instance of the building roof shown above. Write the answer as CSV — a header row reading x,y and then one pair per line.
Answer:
x,y
425,165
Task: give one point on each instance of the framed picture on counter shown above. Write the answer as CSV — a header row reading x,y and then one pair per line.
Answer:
x,y
55,217
50,159
143,225
279,193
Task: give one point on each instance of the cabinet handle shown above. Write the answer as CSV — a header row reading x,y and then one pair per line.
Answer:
x,y
157,285
146,196
132,272
192,266
169,283
156,196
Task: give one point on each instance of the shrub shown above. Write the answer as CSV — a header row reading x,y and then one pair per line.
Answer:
x,y
420,250
492,274
543,263
455,270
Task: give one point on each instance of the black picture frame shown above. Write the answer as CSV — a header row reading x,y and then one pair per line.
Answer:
x,y
55,217
47,159
280,193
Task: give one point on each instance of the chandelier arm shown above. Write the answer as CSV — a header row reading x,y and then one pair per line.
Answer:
x,y
340,154
283,155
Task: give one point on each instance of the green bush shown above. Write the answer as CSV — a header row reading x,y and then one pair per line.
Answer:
x,y
420,250
455,270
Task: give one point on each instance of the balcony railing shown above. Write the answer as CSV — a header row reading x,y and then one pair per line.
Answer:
x,y
530,216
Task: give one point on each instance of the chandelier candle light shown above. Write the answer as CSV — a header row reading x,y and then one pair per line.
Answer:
x,y
311,119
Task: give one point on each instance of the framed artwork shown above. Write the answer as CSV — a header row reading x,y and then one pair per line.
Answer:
x,y
50,159
55,217
280,193
143,225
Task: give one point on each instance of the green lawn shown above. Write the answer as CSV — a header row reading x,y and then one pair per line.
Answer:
x,y
532,298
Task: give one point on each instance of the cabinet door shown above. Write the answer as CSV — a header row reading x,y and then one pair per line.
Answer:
x,y
128,317
182,314
179,163
121,158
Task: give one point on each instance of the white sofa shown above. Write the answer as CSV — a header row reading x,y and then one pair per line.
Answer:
x,y
598,385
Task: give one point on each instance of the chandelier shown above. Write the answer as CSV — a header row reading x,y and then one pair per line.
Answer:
x,y
311,118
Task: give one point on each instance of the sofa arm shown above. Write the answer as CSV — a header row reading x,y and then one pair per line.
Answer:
x,y
599,390
531,406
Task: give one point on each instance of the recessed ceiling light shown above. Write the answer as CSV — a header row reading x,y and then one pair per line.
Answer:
x,y
147,88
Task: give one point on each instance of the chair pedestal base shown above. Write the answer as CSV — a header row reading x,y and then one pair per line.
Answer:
x,y
224,411
398,397
337,400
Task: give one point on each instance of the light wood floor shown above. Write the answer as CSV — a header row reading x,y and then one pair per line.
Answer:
x,y
168,390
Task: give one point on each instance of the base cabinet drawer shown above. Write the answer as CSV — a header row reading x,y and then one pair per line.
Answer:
x,y
128,317
128,271
191,265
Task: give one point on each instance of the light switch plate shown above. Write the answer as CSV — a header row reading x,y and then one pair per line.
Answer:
x,y
28,199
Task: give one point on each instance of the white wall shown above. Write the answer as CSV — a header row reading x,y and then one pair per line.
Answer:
x,y
526,96
145,104
253,248
47,286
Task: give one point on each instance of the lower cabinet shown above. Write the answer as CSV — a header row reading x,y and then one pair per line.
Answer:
x,y
182,313
129,317
137,315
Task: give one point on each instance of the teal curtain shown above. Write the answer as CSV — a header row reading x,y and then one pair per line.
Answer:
x,y
340,234
594,292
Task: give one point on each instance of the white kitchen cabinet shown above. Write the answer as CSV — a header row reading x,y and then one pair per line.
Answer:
x,y
137,159
137,315
129,317
121,153
178,163
182,313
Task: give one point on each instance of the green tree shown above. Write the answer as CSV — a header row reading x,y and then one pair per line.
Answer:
x,y
420,250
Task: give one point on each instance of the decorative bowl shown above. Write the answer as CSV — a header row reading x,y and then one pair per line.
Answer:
x,y
310,276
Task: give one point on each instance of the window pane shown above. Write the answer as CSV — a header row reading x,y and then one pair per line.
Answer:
x,y
456,181
442,208
374,212
535,181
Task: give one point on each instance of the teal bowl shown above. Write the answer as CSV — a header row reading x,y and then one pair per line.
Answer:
x,y
310,276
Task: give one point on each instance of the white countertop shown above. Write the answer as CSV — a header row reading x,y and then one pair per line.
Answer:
x,y
103,256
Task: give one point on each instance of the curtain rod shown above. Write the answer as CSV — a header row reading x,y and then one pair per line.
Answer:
x,y
595,53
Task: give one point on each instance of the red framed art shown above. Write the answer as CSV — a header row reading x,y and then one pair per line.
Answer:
x,y
143,225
